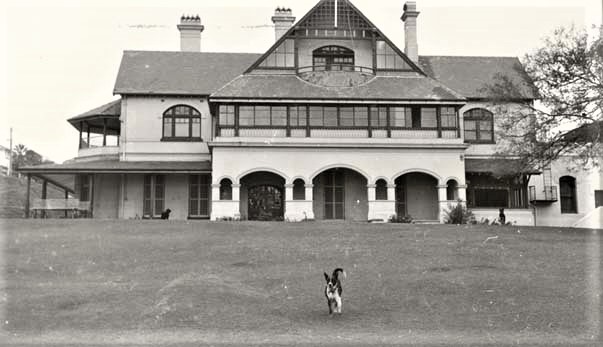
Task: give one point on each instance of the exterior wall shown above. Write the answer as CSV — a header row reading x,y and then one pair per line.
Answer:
x,y
142,129
363,51
176,196
422,197
587,181
307,163
106,196
487,149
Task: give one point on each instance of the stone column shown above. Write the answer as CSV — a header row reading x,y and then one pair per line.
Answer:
x,y
381,210
462,193
443,203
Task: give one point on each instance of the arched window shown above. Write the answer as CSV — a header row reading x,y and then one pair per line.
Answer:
x,y
181,123
451,190
567,194
381,190
225,189
299,189
333,58
479,126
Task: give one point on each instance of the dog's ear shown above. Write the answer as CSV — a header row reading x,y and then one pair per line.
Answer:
x,y
326,277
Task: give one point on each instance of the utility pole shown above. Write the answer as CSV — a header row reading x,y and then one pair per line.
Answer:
x,y
10,156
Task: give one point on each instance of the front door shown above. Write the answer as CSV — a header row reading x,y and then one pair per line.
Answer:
x,y
334,194
265,202
401,210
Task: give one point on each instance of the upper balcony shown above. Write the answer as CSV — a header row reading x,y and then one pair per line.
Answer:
x,y
546,194
360,124
99,131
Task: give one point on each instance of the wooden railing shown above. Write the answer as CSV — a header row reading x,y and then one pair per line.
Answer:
x,y
75,206
546,194
336,67
340,132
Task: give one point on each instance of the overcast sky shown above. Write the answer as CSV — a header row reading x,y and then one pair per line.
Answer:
x,y
60,58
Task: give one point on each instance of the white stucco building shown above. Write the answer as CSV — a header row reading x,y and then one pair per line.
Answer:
x,y
332,122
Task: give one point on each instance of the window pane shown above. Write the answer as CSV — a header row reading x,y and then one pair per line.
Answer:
x,y
196,127
279,115
226,114
246,115
316,116
181,127
485,130
361,116
448,115
346,116
330,116
262,115
428,117
167,127
470,130
401,116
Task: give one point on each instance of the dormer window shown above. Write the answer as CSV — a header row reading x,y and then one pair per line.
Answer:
x,y
333,58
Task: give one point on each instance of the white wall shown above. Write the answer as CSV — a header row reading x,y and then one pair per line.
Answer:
x,y
587,181
142,129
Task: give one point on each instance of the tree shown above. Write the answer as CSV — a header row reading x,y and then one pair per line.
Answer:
x,y
568,74
19,156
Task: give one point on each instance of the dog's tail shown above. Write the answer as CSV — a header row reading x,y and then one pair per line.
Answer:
x,y
337,271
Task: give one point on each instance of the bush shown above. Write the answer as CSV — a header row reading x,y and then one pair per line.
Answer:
x,y
458,214
400,219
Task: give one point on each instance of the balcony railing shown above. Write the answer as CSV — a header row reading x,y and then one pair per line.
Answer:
x,y
76,207
547,194
336,68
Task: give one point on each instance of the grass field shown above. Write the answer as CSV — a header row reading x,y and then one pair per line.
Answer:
x,y
189,283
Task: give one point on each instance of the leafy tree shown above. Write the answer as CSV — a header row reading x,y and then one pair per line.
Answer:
x,y
19,156
568,74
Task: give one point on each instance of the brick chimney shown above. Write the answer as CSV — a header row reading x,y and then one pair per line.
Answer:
x,y
190,33
409,17
283,20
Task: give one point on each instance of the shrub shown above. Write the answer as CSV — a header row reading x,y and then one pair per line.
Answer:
x,y
400,219
458,214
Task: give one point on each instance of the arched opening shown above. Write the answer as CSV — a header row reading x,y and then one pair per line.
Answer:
x,y
299,189
452,190
381,190
262,196
340,193
225,189
181,123
333,58
567,194
417,196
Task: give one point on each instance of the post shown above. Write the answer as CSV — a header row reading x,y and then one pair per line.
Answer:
x,y
44,191
442,202
91,182
79,146
27,195
66,197
105,132
10,155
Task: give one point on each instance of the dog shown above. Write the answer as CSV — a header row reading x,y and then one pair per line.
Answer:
x,y
333,291
501,216
166,214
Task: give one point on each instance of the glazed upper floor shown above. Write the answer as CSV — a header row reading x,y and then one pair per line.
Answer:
x,y
185,128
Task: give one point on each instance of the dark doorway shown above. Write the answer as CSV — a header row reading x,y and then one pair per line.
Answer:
x,y
265,202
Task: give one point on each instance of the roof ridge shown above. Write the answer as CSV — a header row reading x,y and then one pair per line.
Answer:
x,y
469,56
150,51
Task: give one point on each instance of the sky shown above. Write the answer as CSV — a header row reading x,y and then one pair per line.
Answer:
x,y
59,58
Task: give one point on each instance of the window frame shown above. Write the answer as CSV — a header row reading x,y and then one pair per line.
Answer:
x,y
330,54
484,116
171,114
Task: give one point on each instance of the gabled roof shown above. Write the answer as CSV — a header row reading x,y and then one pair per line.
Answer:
x,y
178,73
351,14
417,87
471,76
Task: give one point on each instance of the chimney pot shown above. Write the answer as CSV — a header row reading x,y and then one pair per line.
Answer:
x,y
190,33
283,20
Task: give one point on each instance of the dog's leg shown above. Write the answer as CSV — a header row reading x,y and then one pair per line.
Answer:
x,y
330,303
338,303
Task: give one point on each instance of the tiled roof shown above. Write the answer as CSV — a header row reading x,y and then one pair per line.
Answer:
x,y
379,88
471,76
178,73
115,166
112,108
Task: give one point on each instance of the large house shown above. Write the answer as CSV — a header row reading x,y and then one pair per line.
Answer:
x,y
332,122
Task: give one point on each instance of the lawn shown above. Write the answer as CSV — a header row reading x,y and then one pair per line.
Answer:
x,y
160,282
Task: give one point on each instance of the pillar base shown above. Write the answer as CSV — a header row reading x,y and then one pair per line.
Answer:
x,y
381,210
298,210
225,209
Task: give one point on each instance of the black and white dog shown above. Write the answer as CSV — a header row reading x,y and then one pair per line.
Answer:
x,y
333,291
166,214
